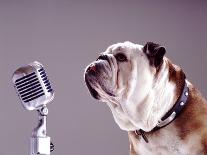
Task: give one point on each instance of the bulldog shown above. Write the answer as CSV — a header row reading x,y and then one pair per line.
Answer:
x,y
151,99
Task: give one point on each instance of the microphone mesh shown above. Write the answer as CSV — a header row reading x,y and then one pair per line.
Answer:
x,y
45,79
29,87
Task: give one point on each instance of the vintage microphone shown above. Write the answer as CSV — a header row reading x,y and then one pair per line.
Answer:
x,y
34,90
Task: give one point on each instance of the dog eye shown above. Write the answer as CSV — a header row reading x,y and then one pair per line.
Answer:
x,y
120,57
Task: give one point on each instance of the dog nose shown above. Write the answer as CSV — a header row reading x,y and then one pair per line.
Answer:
x,y
103,57
91,69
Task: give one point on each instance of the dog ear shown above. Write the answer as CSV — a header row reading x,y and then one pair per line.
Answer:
x,y
155,53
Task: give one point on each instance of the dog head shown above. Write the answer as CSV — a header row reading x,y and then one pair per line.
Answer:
x,y
123,76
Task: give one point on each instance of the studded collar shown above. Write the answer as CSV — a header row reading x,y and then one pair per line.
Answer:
x,y
170,115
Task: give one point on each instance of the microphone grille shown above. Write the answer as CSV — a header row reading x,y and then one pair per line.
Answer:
x,y
29,87
45,79
33,86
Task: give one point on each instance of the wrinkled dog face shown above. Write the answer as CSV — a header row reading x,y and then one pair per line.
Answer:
x,y
124,73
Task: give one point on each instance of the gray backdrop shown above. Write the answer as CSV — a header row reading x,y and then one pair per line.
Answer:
x,y
67,35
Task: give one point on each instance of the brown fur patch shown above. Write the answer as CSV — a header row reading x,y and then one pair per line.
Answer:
x,y
194,115
191,120
177,76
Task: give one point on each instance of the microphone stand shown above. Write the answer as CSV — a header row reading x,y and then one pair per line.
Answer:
x,y
40,143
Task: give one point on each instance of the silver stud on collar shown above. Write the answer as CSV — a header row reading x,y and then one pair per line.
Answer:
x,y
186,93
167,120
182,103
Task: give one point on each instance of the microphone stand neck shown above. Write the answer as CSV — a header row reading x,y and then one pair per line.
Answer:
x,y
40,130
40,142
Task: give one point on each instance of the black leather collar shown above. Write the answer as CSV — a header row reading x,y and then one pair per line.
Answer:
x,y
171,114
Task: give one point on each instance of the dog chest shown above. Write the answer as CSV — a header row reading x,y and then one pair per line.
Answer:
x,y
167,142
159,146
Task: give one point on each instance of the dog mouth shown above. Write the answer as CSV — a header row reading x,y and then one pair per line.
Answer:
x,y
93,92
97,76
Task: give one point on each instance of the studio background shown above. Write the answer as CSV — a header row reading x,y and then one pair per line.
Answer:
x,y
66,36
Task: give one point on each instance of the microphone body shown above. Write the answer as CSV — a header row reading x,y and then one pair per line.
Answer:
x,y
34,90
33,86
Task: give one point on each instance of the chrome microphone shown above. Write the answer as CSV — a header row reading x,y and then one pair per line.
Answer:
x,y
33,86
34,90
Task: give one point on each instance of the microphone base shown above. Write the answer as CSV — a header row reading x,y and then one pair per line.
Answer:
x,y
40,145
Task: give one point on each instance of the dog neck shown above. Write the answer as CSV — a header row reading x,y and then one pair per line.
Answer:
x,y
168,86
